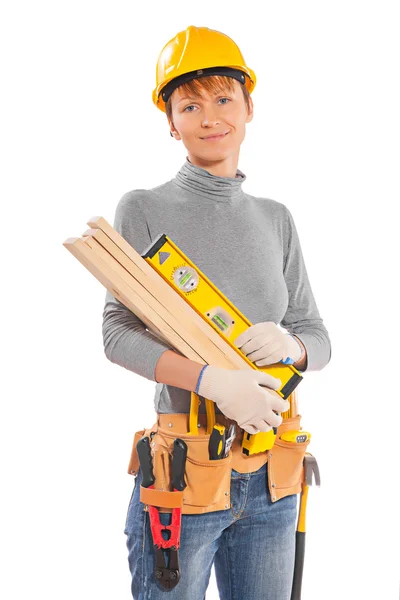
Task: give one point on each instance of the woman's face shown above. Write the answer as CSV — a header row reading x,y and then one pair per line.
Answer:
x,y
218,113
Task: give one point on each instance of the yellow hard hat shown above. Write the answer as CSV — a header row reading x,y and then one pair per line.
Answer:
x,y
198,52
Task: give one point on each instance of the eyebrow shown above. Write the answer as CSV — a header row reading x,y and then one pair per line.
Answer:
x,y
201,97
189,98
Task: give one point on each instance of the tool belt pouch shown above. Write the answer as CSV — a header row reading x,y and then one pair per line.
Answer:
x,y
134,463
207,481
285,462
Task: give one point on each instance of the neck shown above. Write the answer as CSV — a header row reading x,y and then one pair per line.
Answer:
x,y
226,167
202,182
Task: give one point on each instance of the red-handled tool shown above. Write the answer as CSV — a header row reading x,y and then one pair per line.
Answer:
x,y
168,576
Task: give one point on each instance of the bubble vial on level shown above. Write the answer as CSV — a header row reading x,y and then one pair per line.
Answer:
x,y
184,279
220,322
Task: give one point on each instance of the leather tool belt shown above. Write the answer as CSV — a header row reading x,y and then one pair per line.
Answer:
x,y
208,481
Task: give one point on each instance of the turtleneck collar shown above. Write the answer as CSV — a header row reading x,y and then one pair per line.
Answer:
x,y
198,180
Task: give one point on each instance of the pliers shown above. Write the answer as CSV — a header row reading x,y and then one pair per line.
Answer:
x,y
168,576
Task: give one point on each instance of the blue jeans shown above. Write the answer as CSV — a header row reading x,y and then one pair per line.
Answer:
x,y
252,546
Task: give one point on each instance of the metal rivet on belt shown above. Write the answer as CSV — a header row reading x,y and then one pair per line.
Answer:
x,y
169,424
226,505
273,485
273,497
226,493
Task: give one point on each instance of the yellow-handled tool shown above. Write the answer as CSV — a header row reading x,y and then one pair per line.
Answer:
x,y
214,430
216,444
310,466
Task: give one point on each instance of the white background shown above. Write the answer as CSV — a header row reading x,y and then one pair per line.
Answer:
x,y
78,131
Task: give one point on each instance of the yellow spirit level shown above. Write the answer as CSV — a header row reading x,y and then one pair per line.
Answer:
x,y
202,295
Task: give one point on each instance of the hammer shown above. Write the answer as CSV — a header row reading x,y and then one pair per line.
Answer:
x,y
310,468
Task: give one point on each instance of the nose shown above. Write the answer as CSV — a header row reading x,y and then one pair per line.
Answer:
x,y
209,119
209,123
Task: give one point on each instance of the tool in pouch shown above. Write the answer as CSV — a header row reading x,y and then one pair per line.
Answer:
x,y
215,308
216,447
230,436
169,574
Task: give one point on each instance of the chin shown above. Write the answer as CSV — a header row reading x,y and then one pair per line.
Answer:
x,y
217,154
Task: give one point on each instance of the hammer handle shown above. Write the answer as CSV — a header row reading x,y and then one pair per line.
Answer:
x,y
298,565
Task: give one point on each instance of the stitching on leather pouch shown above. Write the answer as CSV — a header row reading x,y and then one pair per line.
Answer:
x,y
212,463
183,436
285,444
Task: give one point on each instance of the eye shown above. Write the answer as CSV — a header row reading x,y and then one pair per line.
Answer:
x,y
192,105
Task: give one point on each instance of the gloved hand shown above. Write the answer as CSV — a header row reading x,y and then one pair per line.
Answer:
x,y
245,395
265,344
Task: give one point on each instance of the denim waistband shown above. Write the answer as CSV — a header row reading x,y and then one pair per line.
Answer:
x,y
236,475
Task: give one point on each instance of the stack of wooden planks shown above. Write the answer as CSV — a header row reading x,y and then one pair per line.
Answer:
x,y
134,282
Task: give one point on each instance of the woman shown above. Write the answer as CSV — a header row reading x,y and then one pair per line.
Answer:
x,y
249,248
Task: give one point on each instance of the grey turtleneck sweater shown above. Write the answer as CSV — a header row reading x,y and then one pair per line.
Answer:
x,y
247,246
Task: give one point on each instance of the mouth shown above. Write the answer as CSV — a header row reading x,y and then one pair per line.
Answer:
x,y
215,137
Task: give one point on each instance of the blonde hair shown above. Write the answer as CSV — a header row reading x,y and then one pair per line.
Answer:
x,y
211,84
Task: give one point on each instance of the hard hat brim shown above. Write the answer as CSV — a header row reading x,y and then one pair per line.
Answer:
x,y
162,92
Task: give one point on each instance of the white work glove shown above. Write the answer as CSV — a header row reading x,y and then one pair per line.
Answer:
x,y
265,344
246,396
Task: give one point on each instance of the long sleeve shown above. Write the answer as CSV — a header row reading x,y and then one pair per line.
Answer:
x,y
126,339
302,317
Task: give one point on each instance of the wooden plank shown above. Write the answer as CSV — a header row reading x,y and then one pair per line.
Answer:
x,y
118,286
170,297
188,321
125,294
193,337
103,225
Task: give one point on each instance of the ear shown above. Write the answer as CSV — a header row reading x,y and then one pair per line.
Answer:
x,y
175,134
173,131
250,112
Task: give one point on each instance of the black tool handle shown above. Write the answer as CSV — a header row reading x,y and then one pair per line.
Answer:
x,y
298,565
179,454
146,462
